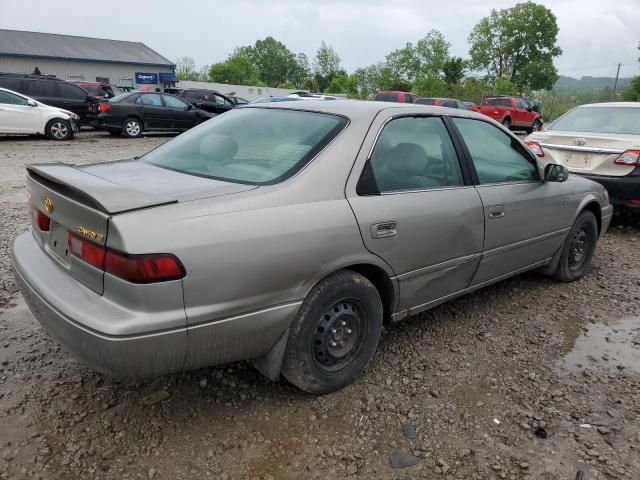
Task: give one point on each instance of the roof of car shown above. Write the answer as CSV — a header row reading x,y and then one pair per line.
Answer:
x,y
352,108
612,104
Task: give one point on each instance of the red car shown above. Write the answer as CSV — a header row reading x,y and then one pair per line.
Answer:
x,y
99,89
441,102
395,96
512,112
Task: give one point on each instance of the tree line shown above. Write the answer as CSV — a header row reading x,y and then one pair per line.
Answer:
x,y
511,51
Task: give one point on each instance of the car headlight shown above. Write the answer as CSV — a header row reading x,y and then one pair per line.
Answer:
x,y
605,193
74,116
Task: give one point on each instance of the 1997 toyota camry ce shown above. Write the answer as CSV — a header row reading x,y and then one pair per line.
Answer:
x,y
286,233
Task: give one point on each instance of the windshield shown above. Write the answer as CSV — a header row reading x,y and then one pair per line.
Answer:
x,y
257,146
600,120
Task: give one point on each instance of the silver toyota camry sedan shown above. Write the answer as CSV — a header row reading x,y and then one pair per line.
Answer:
x,y
287,233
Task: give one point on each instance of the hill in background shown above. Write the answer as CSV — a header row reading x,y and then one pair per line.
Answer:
x,y
589,83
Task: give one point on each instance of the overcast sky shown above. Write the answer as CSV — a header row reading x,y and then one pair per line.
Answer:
x,y
594,34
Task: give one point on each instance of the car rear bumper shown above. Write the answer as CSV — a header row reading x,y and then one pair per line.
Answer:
x,y
64,307
623,191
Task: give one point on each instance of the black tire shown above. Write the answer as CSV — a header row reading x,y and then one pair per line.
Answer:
x,y
334,335
507,123
59,129
132,127
535,127
578,249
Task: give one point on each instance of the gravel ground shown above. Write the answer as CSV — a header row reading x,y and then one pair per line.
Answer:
x,y
527,379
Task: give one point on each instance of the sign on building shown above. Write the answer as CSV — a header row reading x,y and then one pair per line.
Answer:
x,y
146,78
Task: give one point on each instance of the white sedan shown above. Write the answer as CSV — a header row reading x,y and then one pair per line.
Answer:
x,y
21,115
599,141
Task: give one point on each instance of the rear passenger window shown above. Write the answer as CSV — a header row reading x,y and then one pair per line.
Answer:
x,y
41,88
152,100
497,157
412,153
71,91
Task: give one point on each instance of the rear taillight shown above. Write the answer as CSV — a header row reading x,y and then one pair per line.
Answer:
x,y
149,268
90,252
143,268
104,107
535,148
40,219
629,158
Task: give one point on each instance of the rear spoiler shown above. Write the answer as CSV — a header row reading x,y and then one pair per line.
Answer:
x,y
94,192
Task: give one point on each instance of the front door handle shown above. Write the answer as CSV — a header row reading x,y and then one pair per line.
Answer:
x,y
383,229
497,211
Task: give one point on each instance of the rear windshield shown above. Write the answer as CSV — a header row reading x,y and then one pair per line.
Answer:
x,y
258,146
624,120
386,97
121,97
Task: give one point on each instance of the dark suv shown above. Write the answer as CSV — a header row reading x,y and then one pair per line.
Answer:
x,y
209,100
52,91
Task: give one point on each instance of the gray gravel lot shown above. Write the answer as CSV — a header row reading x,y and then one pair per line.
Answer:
x,y
527,379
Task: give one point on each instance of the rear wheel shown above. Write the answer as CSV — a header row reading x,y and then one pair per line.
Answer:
x,y
535,127
507,123
578,248
334,334
132,127
59,129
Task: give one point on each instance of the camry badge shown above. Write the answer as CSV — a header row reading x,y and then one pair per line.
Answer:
x,y
579,142
48,204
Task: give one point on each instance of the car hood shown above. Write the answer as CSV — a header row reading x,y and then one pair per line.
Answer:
x,y
126,185
44,106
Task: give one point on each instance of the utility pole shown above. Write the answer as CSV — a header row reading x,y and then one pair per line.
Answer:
x,y
615,84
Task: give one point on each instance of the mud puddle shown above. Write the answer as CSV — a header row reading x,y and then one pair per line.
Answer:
x,y
613,346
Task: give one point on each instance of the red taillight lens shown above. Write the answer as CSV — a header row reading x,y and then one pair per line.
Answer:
x,y
40,219
143,268
535,148
629,158
104,107
90,252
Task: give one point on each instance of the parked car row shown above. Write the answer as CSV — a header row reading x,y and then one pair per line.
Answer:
x,y
512,112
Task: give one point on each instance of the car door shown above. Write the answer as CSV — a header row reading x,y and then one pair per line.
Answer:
x,y
526,218
17,116
182,118
416,208
74,98
155,115
523,114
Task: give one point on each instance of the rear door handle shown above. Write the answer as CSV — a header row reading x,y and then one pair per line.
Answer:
x,y
383,229
497,211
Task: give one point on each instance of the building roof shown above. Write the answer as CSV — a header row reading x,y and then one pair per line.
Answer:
x,y
69,47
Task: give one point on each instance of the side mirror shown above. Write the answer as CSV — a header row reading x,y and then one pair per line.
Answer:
x,y
555,173
536,108
32,103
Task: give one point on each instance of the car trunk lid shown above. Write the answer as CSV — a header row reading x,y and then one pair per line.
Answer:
x,y
589,153
80,200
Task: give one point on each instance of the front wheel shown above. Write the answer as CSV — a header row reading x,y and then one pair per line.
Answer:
x,y
334,334
132,128
59,129
578,249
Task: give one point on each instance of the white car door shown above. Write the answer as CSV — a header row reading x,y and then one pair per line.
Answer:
x,y
17,116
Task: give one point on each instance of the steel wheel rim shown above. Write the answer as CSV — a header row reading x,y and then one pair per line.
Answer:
x,y
536,127
578,248
339,335
133,128
59,130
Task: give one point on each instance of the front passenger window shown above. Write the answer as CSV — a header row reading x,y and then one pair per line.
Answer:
x,y
497,157
412,153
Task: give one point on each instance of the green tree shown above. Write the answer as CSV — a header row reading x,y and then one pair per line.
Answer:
x,y
274,60
36,71
186,69
302,72
518,42
504,86
453,70
376,77
326,66
430,54
632,93
237,69
344,83
429,85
